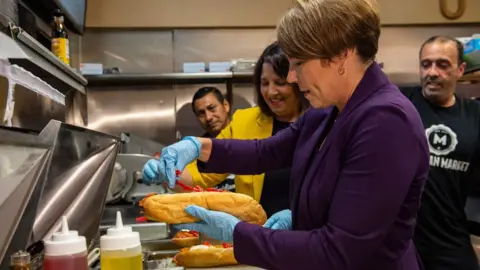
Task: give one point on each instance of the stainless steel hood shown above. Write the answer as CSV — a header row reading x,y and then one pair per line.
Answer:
x,y
24,160
77,180
64,170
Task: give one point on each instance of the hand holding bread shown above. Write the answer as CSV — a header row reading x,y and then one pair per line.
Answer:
x,y
214,224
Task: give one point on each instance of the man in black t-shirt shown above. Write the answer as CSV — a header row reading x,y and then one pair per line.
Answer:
x,y
453,132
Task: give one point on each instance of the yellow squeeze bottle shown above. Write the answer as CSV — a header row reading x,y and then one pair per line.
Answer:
x,y
120,248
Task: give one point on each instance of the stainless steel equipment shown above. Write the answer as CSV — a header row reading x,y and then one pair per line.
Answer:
x,y
77,180
124,195
126,183
42,62
24,160
133,163
27,101
42,87
133,144
118,184
64,170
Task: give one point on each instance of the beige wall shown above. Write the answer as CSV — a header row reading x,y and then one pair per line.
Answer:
x,y
143,41
185,13
249,13
425,12
157,51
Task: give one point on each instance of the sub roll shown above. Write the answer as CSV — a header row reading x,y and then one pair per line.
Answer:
x,y
170,208
205,255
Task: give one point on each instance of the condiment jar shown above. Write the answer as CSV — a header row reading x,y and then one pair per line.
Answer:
x,y
66,250
120,248
20,261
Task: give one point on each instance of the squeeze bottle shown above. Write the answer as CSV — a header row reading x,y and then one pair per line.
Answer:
x,y
120,248
66,250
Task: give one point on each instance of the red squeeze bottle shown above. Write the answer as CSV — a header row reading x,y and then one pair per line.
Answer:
x,y
66,250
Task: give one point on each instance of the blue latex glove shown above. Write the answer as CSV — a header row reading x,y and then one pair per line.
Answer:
x,y
174,157
280,221
216,225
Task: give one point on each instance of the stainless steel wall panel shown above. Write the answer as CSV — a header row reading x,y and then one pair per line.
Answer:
x,y
76,109
145,111
34,111
137,51
207,45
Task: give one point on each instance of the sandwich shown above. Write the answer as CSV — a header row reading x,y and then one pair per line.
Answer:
x,y
206,255
186,238
170,208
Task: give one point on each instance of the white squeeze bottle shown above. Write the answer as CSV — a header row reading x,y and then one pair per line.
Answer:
x,y
66,250
120,248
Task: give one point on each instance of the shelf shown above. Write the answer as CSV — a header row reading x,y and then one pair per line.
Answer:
x,y
106,80
470,77
26,52
473,62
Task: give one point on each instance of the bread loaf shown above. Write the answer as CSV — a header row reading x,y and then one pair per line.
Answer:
x,y
205,256
170,208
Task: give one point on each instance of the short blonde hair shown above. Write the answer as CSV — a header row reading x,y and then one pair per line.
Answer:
x,y
324,29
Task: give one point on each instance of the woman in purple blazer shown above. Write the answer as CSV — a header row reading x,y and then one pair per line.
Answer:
x,y
359,159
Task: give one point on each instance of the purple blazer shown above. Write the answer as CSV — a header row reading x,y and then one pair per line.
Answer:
x,y
355,200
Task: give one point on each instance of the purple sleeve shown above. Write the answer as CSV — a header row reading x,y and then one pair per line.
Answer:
x,y
383,158
253,156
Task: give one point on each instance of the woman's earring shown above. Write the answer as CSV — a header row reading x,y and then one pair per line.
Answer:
x,y
341,70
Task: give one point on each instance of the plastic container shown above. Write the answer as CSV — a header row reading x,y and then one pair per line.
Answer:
x,y
120,248
66,251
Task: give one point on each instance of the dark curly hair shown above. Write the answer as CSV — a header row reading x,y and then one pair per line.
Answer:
x,y
274,56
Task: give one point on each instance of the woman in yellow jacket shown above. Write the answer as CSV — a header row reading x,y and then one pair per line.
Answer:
x,y
279,104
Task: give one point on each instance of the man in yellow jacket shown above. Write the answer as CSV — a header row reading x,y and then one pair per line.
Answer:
x,y
211,109
212,112
239,128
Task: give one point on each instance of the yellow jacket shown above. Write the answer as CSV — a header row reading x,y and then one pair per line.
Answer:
x,y
246,124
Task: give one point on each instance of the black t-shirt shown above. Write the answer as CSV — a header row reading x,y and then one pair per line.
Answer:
x,y
276,184
453,134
